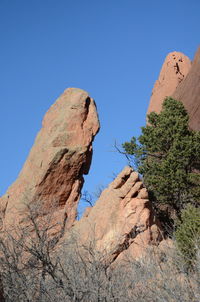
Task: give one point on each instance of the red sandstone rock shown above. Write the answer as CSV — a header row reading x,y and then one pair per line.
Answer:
x,y
173,72
122,219
188,92
61,154
179,78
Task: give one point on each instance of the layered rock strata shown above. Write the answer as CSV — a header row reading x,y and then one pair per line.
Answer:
x,y
61,155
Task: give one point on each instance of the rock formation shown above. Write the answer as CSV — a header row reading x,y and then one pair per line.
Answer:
x,y
180,79
60,156
122,220
174,70
188,92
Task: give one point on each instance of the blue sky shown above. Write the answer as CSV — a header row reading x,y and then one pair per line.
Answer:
x,y
113,49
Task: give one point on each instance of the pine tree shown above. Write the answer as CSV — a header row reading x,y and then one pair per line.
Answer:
x,y
167,155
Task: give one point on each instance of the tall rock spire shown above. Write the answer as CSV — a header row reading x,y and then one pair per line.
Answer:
x,y
60,156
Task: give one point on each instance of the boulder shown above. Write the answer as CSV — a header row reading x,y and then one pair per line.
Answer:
x,y
61,155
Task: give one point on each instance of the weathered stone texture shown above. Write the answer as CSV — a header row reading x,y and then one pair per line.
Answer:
x,y
121,221
60,156
174,70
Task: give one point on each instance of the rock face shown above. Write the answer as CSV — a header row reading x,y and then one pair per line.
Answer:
x,y
122,220
174,70
61,155
180,79
188,91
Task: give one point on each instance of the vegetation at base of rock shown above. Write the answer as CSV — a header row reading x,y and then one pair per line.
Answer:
x,y
33,270
188,234
167,154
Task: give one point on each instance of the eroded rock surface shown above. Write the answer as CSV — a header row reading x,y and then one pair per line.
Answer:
x,y
121,221
60,156
174,70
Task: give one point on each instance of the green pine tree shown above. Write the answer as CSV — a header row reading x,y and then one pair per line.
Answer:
x,y
167,154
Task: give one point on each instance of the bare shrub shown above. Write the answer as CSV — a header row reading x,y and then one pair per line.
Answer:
x,y
35,266
188,234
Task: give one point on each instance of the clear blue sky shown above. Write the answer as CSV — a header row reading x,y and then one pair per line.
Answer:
x,y
113,49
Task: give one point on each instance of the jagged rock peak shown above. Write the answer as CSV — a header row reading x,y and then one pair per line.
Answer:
x,y
122,220
61,154
174,70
